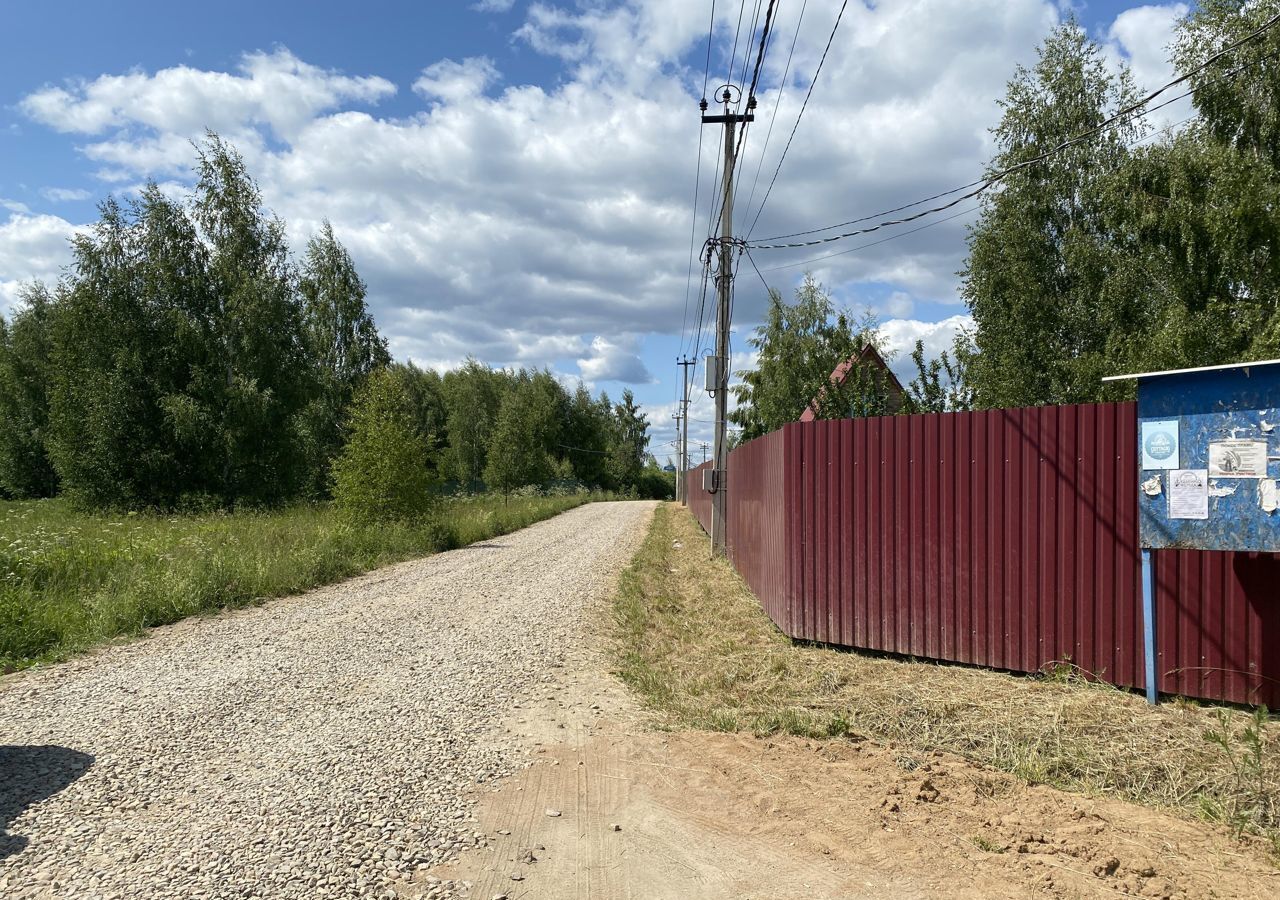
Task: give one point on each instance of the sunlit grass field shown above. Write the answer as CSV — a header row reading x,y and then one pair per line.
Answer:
x,y
69,580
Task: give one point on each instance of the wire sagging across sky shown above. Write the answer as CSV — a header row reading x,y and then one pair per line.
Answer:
x,y
984,184
799,116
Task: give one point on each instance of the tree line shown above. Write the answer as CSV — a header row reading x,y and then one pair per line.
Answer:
x,y
186,360
1135,250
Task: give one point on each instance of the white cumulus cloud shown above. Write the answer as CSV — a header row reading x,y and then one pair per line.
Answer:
x,y
610,360
550,224
1142,37
274,89
32,247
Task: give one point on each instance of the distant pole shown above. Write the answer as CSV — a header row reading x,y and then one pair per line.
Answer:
x,y
679,466
724,292
682,439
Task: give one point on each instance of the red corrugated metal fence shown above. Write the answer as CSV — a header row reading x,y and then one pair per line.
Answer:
x,y
1004,538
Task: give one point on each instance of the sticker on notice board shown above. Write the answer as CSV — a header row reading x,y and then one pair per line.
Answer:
x,y
1160,444
1238,459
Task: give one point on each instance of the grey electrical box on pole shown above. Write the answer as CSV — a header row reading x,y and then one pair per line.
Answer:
x,y
724,289
711,367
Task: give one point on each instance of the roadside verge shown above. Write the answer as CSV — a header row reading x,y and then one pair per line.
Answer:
x,y
694,643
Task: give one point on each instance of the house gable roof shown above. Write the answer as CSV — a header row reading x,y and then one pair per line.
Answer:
x,y
868,355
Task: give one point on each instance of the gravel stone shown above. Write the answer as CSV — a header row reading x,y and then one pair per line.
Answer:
x,y
323,746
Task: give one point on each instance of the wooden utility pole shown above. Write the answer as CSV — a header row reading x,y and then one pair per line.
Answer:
x,y
718,366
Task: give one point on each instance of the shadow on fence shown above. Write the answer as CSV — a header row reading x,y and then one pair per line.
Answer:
x,y
1002,538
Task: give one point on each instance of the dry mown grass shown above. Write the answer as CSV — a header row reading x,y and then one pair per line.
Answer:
x,y
694,642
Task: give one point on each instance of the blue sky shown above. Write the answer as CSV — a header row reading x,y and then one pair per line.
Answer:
x,y
514,179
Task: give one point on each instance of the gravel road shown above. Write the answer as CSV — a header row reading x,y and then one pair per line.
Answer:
x,y
327,745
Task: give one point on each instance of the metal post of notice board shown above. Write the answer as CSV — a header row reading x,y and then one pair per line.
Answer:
x,y
1205,452
1149,622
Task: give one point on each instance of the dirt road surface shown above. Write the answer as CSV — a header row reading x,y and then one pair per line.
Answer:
x,y
327,745
448,728
645,812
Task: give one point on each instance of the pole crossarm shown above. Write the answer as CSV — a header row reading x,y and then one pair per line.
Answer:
x,y
727,119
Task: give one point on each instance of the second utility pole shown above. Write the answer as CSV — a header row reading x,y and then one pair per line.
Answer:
x,y
682,438
718,377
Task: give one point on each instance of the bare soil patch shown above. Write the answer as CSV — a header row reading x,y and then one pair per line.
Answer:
x,y
706,814
761,812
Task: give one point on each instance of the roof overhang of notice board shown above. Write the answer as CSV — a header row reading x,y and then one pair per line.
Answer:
x,y
1240,365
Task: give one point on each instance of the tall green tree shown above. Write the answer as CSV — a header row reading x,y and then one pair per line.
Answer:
x,y
180,369
425,390
629,442
1238,159
586,436
25,347
941,383
518,450
125,428
260,369
1039,256
341,341
800,344
1238,98
473,396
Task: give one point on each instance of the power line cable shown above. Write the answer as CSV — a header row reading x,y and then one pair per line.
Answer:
x,y
582,449
983,184
711,29
1167,129
695,339
693,241
799,116
697,185
737,32
777,100
1155,134
764,39
746,56
892,237
750,95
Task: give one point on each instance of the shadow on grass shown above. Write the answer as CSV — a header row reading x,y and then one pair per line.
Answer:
x,y
29,774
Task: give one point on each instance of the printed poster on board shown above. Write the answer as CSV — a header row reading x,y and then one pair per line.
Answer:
x,y
1160,444
1238,459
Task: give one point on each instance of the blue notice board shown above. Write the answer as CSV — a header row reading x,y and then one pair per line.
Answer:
x,y
1209,451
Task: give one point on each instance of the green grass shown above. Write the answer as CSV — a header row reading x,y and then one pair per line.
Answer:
x,y
70,581
693,642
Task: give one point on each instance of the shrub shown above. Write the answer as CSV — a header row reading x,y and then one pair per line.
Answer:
x,y
382,474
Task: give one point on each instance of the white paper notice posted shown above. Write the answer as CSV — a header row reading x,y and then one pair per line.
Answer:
x,y
1189,494
1238,459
